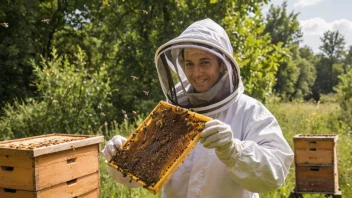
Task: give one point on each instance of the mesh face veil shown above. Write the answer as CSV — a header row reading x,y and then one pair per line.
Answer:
x,y
207,36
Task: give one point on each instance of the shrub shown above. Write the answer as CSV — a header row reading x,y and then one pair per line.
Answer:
x,y
72,100
344,92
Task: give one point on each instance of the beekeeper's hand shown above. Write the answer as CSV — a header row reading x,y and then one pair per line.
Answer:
x,y
218,135
112,146
110,150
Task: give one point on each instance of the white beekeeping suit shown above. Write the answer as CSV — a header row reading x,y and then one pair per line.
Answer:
x,y
263,157
259,157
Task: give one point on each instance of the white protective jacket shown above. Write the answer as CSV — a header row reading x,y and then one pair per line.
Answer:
x,y
264,157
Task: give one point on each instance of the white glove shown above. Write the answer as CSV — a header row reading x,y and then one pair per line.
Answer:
x,y
110,150
218,135
112,146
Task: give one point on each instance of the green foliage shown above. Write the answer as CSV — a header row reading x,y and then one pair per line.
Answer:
x,y
287,77
347,64
292,76
17,45
305,79
72,100
329,66
307,53
257,57
344,92
283,27
329,98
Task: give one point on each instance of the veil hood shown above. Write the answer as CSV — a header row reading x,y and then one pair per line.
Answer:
x,y
209,36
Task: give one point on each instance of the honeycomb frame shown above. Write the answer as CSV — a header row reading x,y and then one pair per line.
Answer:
x,y
189,126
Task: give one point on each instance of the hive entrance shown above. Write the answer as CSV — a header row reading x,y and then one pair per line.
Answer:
x,y
159,145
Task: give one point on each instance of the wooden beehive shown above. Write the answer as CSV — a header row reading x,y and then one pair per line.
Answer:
x,y
159,145
55,165
316,163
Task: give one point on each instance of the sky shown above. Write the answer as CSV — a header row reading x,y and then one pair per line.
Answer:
x,y
319,16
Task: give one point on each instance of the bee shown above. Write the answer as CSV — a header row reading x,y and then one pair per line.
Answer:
x,y
47,21
134,77
5,25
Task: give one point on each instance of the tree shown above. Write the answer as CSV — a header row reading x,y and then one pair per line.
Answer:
x,y
28,33
284,28
347,63
307,54
329,66
306,78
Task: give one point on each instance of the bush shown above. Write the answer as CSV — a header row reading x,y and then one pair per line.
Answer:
x,y
71,100
344,92
328,98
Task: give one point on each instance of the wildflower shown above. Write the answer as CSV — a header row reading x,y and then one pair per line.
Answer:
x,y
146,92
102,114
123,111
308,121
134,112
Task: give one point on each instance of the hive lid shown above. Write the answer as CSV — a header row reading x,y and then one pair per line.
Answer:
x,y
333,137
159,145
44,144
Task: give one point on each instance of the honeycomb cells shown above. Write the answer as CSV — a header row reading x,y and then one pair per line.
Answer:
x,y
158,143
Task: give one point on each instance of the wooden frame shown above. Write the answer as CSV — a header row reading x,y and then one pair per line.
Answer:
x,y
155,188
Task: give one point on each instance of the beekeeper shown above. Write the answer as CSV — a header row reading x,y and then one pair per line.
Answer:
x,y
242,151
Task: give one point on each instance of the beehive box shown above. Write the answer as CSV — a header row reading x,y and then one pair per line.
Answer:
x,y
315,149
50,166
159,145
316,163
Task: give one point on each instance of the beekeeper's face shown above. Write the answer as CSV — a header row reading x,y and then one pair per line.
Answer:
x,y
202,68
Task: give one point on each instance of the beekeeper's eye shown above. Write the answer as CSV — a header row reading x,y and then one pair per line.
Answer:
x,y
189,64
204,62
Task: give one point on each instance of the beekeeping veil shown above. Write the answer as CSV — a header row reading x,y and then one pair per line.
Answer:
x,y
209,36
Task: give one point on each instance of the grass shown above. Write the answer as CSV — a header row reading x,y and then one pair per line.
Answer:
x,y
294,118
312,118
